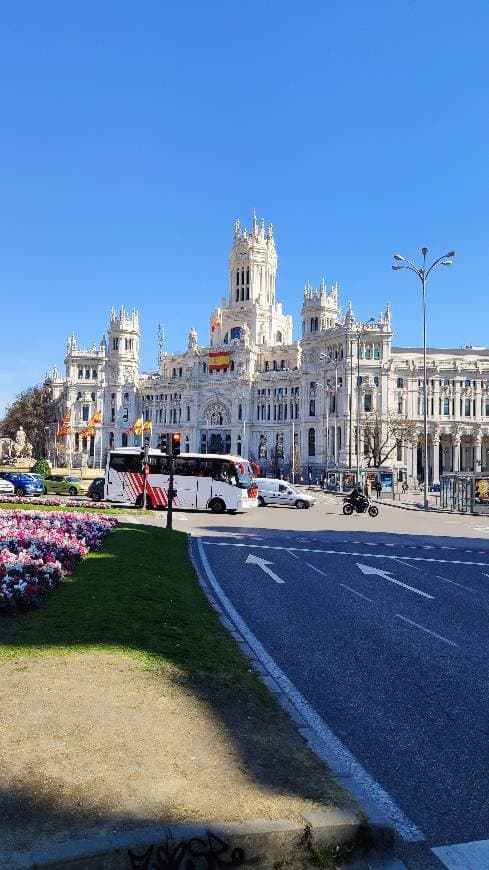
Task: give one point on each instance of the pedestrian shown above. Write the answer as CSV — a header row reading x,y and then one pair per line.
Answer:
x,y
378,487
404,486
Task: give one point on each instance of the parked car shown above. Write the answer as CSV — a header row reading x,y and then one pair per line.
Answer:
x,y
282,493
65,484
96,489
6,487
39,477
23,484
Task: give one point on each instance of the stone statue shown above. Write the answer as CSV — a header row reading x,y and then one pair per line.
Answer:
x,y
22,447
192,338
246,333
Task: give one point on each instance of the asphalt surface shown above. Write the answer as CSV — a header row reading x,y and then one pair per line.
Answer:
x,y
396,663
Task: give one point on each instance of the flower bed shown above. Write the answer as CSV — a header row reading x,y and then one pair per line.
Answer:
x,y
46,500
37,549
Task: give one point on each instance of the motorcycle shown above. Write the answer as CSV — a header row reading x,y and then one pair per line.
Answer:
x,y
362,505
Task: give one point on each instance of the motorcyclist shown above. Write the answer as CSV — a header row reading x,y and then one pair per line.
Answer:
x,y
356,496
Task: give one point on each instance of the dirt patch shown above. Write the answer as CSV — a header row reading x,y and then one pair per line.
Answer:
x,y
94,742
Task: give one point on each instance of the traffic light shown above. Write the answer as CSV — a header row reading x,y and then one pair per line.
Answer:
x,y
175,444
163,443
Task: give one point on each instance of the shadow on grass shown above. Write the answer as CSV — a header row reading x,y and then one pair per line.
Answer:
x,y
139,594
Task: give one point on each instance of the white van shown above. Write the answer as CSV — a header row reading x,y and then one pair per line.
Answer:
x,y
280,492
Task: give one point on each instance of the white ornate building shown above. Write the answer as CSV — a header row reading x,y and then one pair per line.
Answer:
x,y
251,390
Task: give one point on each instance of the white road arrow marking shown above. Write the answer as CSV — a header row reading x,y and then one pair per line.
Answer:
x,y
262,563
367,569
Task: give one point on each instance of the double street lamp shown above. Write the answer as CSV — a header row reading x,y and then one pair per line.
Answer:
x,y
423,272
360,329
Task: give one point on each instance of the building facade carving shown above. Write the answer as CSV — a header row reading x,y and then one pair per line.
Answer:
x,y
252,390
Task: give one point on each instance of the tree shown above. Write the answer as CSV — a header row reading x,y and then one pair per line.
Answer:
x,y
41,466
381,437
33,409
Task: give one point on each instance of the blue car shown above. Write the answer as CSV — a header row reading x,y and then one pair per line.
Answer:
x,y
24,484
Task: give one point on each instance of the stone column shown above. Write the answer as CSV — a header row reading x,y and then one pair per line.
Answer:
x,y
436,458
478,454
456,453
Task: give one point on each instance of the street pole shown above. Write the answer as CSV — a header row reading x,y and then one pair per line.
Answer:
x,y
169,510
425,388
358,406
422,272
293,450
326,399
350,407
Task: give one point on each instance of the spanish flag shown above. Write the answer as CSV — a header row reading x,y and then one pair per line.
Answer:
x,y
87,432
64,427
148,426
137,427
97,418
218,359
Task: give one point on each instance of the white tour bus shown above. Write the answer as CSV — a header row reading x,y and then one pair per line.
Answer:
x,y
202,480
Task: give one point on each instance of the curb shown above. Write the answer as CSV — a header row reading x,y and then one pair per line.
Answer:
x,y
263,844
376,832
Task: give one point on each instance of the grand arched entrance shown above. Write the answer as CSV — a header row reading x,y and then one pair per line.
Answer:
x,y
215,433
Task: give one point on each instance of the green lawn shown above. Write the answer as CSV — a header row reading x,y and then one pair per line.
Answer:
x,y
138,594
94,506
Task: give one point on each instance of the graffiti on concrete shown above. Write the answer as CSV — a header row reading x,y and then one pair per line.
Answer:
x,y
211,853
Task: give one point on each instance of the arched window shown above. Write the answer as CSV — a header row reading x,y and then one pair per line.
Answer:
x,y
232,365
311,442
235,332
226,339
275,365
267,366
240,412
312,324
278,337
400,383
124,439
188,413
77,441
367,402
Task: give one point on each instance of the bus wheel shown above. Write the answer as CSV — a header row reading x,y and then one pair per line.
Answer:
x,y
217,506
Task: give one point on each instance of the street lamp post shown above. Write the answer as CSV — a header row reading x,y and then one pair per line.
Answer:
x,y
423,272
360,330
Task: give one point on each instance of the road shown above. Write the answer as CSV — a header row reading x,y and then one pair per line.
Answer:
x,y
383,631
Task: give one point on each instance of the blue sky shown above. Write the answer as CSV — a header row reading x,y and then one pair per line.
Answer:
x,y
133,134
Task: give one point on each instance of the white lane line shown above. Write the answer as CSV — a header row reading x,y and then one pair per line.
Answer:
x,y
356,592
464,856
315,569
332,750
454,583
485,575
409,566
292,554
428,631
346,553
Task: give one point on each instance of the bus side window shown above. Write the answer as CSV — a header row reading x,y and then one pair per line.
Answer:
x,y
125,462
186,467
159,465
